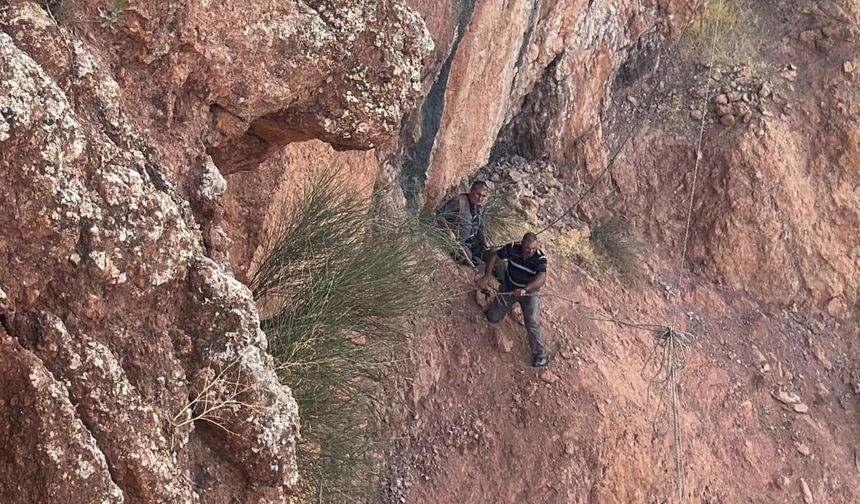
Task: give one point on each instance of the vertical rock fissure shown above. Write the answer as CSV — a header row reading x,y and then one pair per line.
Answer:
x,y
527,37
112,470
4,324
418,160
525,133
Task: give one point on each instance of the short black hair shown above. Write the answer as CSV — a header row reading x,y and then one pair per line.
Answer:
x,y
479,184
529,237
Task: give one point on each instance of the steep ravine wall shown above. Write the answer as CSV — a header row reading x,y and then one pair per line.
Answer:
x,y
503,55
142,162
118,311
142,159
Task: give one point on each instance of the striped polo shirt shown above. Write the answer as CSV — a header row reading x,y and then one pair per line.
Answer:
x,y
522,270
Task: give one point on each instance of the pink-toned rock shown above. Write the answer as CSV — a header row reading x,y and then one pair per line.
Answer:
x,y
504,341
807,493
109,298
45,423
765,262
549,377
514,65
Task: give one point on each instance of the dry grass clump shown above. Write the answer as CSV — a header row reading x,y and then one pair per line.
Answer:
x,y
576,246
504,223
337,285
617,247
728,27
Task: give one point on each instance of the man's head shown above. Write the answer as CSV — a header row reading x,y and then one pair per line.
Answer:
x,y
529,244
478,192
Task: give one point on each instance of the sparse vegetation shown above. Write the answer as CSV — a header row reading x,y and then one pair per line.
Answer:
x,y
619,249
504,224
224,391
730,27
336,286
114,14
575,246
611,246
434,235
68,12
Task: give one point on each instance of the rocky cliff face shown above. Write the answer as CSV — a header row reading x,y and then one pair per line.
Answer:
x,y
777,212
528,77
146,148
134,368
114,319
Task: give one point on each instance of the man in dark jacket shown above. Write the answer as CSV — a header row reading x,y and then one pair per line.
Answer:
x,y
525,275
463,217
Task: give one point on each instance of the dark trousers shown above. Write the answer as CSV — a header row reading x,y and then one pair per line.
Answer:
x,y
530,305
475,248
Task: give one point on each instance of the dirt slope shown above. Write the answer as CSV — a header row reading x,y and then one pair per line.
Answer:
x,y
485,427
769,409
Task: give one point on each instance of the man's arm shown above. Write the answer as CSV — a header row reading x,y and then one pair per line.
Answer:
x,y
537,283
447,212
489,265
464,220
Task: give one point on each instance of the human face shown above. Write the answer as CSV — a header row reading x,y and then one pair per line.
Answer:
x,y
529,248
478,195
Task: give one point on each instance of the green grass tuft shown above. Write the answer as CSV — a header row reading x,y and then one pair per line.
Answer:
x,y
336,287
113,15
615,243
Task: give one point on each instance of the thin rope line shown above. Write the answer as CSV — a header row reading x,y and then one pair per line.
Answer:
x,y
639,117
674,365
699,157
604,318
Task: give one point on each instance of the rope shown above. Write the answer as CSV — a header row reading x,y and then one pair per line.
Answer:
x,y
676,422
601,318
668,359
675,364
699,156
636,123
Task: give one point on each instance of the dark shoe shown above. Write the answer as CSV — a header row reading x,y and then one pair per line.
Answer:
x,y
540,361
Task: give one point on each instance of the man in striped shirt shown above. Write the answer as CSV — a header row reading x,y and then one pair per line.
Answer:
x,y
525,275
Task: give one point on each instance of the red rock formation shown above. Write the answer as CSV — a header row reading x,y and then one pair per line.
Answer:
x,y
777,212
116,320
145,152
542,71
